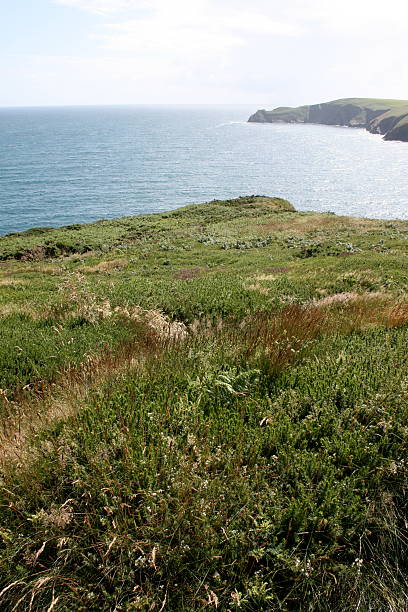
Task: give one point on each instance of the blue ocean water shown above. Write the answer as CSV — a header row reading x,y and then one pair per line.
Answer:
x,y
79,164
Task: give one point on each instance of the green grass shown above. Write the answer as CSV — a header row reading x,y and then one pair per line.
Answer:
x,y
207,412
215,260
373,103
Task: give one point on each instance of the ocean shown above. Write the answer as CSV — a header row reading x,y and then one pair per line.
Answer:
x,y
66,165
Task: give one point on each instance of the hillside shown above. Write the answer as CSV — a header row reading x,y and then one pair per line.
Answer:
x,y
205,409
387,117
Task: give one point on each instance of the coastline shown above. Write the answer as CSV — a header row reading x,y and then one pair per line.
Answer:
x,y
386,117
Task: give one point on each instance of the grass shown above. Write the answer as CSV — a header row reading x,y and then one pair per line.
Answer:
x,y
208,415
374,103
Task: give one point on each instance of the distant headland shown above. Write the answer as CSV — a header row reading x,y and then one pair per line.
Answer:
x,y
386,117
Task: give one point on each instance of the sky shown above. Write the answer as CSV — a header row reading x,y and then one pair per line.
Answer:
x,y
264,53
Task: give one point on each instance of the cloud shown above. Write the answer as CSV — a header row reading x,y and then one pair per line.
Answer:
x,y
196,15
186,30
105,7
167,52
274,16
181,41
246,21
364,18
230,50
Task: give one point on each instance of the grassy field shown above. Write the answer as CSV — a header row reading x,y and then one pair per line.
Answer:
x,y
374,103
205,409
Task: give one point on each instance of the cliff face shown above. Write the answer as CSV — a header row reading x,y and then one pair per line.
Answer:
x,y
378,116
352,115
399,131
283,113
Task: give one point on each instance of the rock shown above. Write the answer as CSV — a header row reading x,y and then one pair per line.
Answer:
x,y
399,131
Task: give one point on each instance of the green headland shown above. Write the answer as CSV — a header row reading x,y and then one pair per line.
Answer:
x,y
205,409
387,117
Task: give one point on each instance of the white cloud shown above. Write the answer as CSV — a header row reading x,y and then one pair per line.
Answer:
x,y
247,21
365,18
105,7
230,50
186,43
275,16
189,31
196,14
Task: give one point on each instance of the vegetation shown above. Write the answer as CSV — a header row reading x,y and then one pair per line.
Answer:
x,y
373,103
205,409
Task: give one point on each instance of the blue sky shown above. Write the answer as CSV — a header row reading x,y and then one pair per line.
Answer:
x,y
264,53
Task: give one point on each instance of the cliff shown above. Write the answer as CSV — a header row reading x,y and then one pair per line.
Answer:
x,y
386,117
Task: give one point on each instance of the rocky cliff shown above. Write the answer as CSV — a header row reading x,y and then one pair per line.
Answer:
x,y
387,117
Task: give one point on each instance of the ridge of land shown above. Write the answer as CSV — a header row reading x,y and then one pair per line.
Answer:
x,y
378,116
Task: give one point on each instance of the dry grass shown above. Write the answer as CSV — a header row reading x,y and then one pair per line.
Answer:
x,y
271,274
398,314
186,273
257,287
9,282
106,267
156,321
22,267
281,337
360,275
30,311
305,224
340,298
277,270
266,277
84,304
277,337
365,311
33,412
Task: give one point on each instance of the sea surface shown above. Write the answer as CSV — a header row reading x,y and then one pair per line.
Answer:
x,y
67,165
